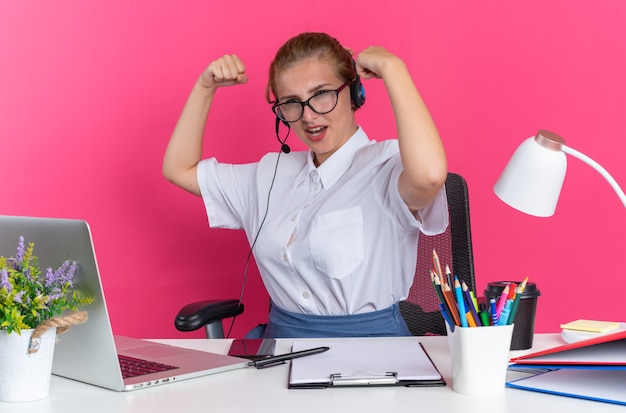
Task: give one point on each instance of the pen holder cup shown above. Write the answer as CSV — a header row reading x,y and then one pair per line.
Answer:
x,y
525,315
480,357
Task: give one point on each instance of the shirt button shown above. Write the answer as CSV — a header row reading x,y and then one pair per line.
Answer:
x,y
294,218
316,187
305,295
285,258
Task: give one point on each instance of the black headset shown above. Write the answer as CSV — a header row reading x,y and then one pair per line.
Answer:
x,y
357,91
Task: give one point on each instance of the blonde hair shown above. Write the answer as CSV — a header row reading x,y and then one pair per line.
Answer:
x,y
308,46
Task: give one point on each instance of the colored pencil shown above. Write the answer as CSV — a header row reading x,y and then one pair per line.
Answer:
x,y
512,290
437,285
514,305
471,321
474,300
460,302
518,296
447,293
470,303
502,300
437,265
446,316
449,276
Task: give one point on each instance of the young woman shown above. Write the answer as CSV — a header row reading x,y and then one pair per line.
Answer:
x,y
335,228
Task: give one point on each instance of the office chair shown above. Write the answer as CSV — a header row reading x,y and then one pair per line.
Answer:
x,y
421,308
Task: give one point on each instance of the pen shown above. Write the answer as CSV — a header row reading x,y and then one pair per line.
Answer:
x,y
494,312
280,359
484,314
504,315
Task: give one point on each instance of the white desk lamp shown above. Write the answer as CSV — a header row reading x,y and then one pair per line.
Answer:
x,y
532,180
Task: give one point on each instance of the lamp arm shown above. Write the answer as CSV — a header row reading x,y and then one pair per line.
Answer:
x,y
597,167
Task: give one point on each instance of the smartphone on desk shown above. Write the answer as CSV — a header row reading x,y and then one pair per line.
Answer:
x,y
252,348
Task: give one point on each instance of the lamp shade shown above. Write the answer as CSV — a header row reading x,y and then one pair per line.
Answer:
x,y
532,180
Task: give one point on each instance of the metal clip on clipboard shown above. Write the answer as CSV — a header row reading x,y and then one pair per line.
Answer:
x,y
364,378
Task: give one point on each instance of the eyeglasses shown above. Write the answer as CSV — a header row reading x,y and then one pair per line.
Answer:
x,y
321,103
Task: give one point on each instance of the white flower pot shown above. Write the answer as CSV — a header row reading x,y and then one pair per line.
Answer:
x,y
23,376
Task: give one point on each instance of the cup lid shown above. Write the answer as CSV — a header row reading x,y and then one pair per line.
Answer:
x,y
495,289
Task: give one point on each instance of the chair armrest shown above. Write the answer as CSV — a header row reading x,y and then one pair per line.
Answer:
x,y
196,315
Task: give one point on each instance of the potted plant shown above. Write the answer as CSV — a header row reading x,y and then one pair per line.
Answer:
x,y
35,306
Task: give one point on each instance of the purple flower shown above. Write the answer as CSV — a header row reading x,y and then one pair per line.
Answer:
x,y
50,278
53,297
18,297
4,280
20,249
62,276
70,273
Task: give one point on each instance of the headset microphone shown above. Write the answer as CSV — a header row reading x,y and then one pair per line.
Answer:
x,y
283,147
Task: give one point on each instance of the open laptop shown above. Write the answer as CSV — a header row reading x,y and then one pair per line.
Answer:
x,y
89,352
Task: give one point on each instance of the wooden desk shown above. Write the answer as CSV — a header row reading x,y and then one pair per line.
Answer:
x,y
251,390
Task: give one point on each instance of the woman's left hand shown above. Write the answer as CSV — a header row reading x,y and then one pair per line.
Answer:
x,y
375,62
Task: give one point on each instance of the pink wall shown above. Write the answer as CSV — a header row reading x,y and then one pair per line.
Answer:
x,y
90,91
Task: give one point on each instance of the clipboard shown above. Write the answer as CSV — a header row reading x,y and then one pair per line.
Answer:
x,y
364,363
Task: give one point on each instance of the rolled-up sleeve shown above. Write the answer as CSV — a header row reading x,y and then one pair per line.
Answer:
x,y
434,218
226,192
430,220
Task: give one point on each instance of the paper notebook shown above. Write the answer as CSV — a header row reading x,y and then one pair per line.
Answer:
x,y
381,362
593,326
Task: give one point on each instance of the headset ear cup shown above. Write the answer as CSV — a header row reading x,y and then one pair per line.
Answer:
x,y
357,92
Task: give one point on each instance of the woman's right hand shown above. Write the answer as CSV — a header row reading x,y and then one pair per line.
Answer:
x,y
228,70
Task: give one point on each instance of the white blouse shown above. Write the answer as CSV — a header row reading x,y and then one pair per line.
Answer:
x,y
337,239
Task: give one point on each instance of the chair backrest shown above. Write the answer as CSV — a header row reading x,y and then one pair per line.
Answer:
x,y
454,248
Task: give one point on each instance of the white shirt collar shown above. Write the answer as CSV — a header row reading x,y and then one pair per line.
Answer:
x,y
337,164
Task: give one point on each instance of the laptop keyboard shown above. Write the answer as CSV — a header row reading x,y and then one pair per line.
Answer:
x,y
133,367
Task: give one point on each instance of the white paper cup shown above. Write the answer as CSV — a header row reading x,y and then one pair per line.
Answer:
x,y
480,357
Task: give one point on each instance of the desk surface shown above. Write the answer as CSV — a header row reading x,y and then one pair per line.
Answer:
x,y
266,390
